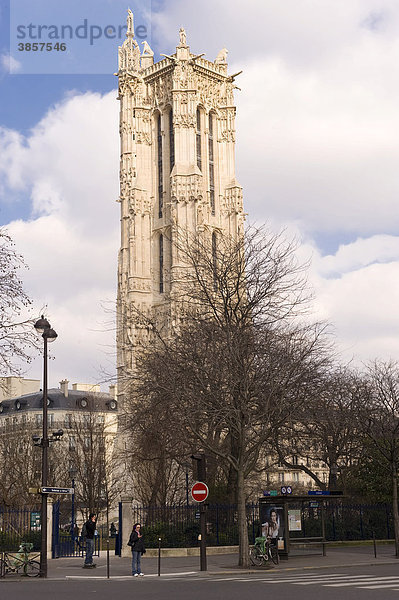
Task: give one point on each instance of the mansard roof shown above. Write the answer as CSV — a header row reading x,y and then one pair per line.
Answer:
x,y
76,400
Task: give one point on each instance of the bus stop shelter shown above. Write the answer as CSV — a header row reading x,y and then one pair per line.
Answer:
x,y
296,520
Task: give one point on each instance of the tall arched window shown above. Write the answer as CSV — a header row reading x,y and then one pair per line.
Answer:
x,y
214,261
161,263
211,165
160,168
198,140
171,141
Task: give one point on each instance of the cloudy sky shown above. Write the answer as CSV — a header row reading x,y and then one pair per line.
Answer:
x,y
317,152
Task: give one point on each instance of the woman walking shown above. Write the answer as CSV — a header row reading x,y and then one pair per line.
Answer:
x,y
136,542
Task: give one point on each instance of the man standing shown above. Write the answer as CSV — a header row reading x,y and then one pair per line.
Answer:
x,y
88,530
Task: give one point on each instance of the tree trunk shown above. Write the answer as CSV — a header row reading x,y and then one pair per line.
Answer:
x,y
243,556
395,507
232,474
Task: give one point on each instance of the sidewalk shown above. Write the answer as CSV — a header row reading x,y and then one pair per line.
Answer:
x,y
344,557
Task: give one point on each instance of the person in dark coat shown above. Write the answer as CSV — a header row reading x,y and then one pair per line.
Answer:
x,y
90,528
136,542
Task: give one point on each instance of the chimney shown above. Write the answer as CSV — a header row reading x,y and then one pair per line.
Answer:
x,y
113,391
64,387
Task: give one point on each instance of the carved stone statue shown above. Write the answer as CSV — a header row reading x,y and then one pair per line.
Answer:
x,y
221,58
130,23
183,37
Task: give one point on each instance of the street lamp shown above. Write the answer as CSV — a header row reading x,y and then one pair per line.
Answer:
x,y
72,474
43,327
333,476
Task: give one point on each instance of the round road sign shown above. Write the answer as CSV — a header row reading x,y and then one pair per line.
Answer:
x,y
199,491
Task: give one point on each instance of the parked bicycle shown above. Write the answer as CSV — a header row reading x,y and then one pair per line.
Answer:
x,y
20,562
263,551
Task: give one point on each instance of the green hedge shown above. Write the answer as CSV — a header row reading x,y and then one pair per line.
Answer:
x,y
10,543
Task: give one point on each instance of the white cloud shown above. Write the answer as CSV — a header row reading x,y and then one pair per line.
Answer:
x,y
357,289
68,165
360,254
319,148
10,64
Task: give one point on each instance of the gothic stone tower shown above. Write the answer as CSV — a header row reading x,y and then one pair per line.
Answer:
x,y
177,170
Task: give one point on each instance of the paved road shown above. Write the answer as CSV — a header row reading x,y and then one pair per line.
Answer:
x,y
378,582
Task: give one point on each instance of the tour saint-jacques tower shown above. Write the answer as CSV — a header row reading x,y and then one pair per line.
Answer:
x,y
177,171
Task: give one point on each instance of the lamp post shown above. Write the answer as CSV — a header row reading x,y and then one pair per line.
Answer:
x,y
72,474
43,327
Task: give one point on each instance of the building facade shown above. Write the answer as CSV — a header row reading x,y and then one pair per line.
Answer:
x,y
177,172
85,452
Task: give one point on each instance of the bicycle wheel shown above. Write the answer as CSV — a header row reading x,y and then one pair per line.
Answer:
x,y
256,556
32,568
273,553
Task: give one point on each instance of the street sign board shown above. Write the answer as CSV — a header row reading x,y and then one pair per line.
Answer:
x,y
199,491
286,489
56,490
273,493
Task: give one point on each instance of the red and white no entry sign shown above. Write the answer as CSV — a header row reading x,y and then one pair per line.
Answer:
x,y
199,491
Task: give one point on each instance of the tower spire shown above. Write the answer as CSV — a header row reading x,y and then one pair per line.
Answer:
x,y
129,52
130,24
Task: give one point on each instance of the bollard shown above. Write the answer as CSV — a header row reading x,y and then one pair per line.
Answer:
x,y
159,557
107,558
375,545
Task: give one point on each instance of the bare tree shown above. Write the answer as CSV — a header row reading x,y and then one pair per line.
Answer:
x,y
236,365
154,454
20,465
325,429
92,460
379,421
17,338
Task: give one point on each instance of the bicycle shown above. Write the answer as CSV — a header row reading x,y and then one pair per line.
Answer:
x,y
263,551
20,562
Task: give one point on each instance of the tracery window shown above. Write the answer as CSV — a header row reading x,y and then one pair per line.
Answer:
x,y
214,260
198,140
161,263
171,141
211,165
160,168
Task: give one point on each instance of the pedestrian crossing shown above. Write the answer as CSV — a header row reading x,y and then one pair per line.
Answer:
x,y
338,581
329,580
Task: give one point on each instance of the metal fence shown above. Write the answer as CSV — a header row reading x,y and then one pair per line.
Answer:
x,y
178,526
359,521
19,525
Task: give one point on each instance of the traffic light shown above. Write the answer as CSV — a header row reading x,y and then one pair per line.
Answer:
x,y
199,466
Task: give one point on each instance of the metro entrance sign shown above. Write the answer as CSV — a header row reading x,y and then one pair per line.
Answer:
x,y
199,491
